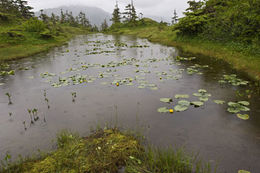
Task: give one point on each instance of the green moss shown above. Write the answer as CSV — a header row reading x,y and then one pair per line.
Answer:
x,y
107,151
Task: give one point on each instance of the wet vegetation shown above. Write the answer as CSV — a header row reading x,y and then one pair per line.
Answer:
x,y
108,150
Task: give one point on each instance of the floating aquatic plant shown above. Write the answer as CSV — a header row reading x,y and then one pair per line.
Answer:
x,y
219,102
9,98
233,80
181,96
243,116
182,105
166,100
237,107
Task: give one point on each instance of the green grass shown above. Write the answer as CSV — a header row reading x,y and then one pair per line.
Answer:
x,y
242,57
31,43
107,151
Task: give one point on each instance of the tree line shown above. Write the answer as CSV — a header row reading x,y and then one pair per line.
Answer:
x,y
222,20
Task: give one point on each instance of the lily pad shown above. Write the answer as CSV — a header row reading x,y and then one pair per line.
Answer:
x,y
219,102
243,116
166,100
244,103
180,96
197,103
237,107
180,108
243,171
163,110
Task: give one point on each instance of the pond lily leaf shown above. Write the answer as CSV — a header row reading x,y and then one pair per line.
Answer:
x,y
202,91
197,94
183,103
180,108
197,103
236,107
166,100
180,96
219,102
163,110
244,103
243,171
243,116
154,88
204,99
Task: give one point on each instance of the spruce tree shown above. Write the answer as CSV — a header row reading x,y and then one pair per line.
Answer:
x,y
24,8
116,15
174,18
104,25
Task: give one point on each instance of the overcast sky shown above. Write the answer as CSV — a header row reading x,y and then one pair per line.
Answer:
x,y
162,8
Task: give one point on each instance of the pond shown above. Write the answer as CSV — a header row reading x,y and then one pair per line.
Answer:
x,y
109,79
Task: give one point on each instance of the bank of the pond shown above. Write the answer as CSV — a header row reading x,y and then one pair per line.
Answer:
x,y
107,151
239,59
31,43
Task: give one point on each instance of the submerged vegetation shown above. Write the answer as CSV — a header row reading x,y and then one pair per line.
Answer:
x,y
108,150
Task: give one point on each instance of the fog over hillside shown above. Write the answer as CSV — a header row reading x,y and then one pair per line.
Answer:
x,y
95,15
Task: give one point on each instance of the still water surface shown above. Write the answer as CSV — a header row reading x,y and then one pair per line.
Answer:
x,y
91,66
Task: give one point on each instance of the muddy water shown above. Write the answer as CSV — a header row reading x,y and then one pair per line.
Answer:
x,y
81,89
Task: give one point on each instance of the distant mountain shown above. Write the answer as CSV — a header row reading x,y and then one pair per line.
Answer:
x,y
95,15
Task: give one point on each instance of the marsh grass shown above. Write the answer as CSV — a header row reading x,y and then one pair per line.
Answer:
x,y
29,43
107,151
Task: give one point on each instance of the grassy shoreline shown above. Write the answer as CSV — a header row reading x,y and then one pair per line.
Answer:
x,y
242,61
34,45
108,150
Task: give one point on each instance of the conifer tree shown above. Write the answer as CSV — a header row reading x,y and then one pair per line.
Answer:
x,y
116,15
104,25
174,18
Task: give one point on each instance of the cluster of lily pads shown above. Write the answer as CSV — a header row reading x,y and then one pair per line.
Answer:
x,y
233,80
183,105
203,96
5,70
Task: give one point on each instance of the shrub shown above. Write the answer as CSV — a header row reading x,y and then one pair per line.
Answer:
x,y
34,25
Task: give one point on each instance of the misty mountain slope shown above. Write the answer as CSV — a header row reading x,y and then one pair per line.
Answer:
x,y
95,15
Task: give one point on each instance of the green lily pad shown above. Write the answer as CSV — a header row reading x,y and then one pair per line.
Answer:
x,y
197,103
244,103
166,100
180,108
243,171
202,91
237,107
180,96
219,102
163,110
243,116
204,99
184,103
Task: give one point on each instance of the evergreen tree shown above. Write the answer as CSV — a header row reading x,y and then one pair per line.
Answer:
x,y
62,16
104,25
24,9
127,13
44,17
116,15
175,18
133,16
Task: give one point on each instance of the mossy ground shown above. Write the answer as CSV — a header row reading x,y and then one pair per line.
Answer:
x,y
241,57
108,151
